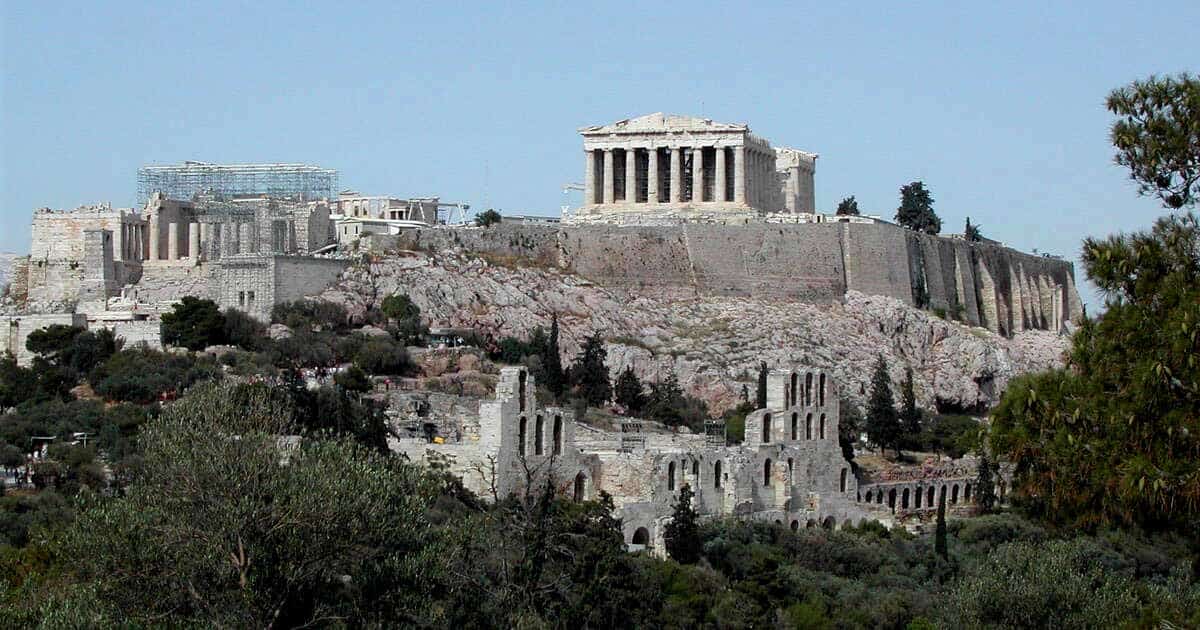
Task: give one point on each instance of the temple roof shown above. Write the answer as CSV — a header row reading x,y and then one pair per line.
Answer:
x,y
659,121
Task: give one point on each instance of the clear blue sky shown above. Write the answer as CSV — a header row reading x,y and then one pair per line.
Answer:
x,y
997,107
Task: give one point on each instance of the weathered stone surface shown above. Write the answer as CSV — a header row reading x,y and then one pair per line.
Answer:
x,y
712,343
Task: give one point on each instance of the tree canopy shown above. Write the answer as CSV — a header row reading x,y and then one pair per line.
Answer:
x,y
848,207
883,422
193,323
916,209
1157,136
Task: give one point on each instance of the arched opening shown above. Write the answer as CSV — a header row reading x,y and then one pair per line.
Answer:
x,y
580,487
539,428
696,472
942,494
842,483
929,497
904,499
671,476
521,390
558,427
717,474
810,524
808,427
795,526
892,499
821,391
828,523
917,498
868,496
954,494
767,473
967,493
521,434
879,497
779,522
641,536
766,428
808,389
795,425
793,391
822,426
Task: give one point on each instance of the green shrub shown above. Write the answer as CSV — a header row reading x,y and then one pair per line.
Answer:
x,y
383,355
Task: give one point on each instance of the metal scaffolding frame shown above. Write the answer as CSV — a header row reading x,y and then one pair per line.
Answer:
x,y
182,181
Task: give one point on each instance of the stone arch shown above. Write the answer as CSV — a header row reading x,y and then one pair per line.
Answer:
x,y
795,425
810,524
580,487
539,429
717,474
795,525
521,378
778,523
766,428
671,476
558,437
842,483
822,426
522,431
808,383
879,497
696,471
829,523
641,536
942,494
917,498
767,472
821,391
904,499
966,493
954,494
808,427
892,499
793,391
929,497
868,497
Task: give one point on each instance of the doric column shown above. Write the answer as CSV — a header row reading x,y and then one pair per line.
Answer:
x,y
739,174
609,193
194,242
697,174
153,238
652,175
676,175
589,177
172,241
630,175
719,180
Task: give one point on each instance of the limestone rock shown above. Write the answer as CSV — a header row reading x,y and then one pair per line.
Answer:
x,y
278,331
712,344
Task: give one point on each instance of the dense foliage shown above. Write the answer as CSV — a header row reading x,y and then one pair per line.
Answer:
x,y
916,209
193,323
883,422
847,207
1157,136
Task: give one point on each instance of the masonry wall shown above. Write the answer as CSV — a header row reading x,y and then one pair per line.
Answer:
x,y
15,330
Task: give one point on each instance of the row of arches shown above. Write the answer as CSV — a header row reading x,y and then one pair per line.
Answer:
x,y
797,396
672,474
767,427
539,436
923,497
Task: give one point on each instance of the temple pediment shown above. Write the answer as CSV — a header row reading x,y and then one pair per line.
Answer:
x,y
660,122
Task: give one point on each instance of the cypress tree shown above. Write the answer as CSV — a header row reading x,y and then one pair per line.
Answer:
x,y
916,209
910,416
682,534
554,378
939,536
761,400
883,423
985,486
589,373
629,393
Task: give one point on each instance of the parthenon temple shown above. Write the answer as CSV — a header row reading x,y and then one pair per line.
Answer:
x,y
663,161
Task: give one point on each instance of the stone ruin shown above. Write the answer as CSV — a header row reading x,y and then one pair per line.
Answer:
x,y
789,470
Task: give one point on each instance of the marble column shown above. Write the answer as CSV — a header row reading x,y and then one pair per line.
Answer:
x,y
609,192
697,174
172,241
719,181
153,238
676,175
631,175
589,178
652,176
739,174
194,242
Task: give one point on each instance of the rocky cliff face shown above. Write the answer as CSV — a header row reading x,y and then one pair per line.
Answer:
x,y
713,344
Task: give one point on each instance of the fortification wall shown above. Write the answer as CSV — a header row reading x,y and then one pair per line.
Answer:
x,y
16,330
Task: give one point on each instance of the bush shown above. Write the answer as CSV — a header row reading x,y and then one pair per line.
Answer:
x,y
311,315
143,376
487,218
193,323
381,355
244,331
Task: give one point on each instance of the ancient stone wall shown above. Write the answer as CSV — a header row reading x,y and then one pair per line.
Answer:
x,y
15,330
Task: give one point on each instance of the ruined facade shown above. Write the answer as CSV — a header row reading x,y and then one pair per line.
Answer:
x,y
789,470
690,167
